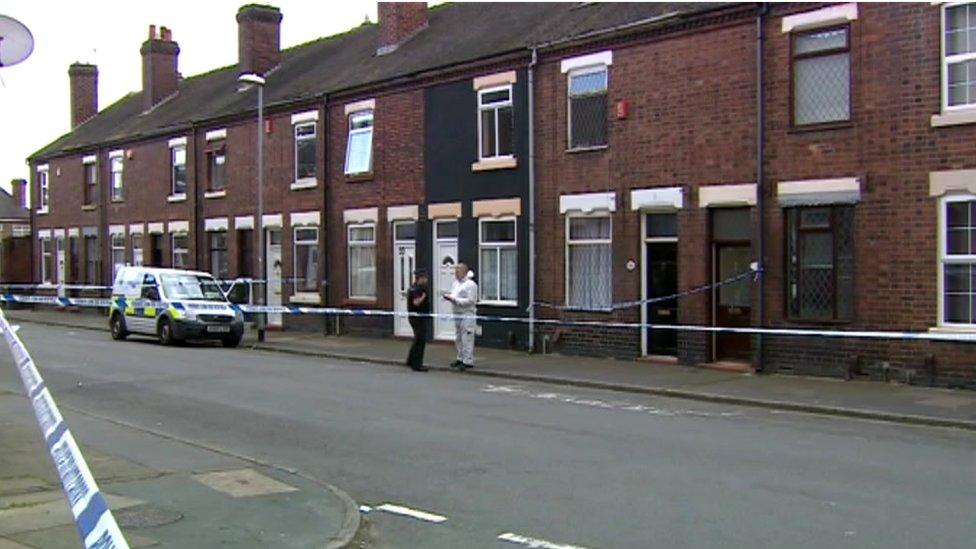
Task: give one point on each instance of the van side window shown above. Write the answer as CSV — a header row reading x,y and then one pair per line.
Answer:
x,y
149,288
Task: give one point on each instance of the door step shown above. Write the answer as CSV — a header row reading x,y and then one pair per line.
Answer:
x,y
734,366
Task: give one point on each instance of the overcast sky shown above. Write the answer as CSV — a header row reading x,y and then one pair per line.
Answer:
x,y
34,104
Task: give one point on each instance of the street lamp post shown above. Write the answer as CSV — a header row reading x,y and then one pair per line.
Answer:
x,y
258,81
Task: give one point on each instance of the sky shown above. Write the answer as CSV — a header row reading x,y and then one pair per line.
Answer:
x,y
34,100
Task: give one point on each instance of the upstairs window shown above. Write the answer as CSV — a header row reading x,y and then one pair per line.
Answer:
x,y
43,191
116,167
821,76
305,151
91,183
588,107
495,123
359,149
959,56
178,170
216,159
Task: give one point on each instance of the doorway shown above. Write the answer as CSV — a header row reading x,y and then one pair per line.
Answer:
x,y
59,249
404,259
660,280
731,302
445,258
272,275
156,250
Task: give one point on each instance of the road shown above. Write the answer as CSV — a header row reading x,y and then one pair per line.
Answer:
x,y
567,467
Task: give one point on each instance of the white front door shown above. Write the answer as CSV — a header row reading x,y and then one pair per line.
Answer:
x,y
404,254
60,259
445,258
272,275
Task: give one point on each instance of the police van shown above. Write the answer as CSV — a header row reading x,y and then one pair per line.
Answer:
x,y
173,305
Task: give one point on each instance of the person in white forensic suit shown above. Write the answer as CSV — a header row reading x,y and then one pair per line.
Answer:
x,y
464,297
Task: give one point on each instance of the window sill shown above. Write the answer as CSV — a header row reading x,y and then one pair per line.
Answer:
x,y
309,183
306,298
88,207
488,164
497,304
43,212
215,194
118,200
176,198
953,330
818,322
578,150
353,301
813,128
359,177
954,118
571,309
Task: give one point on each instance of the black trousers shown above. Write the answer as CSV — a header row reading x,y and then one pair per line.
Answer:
x,y
416,357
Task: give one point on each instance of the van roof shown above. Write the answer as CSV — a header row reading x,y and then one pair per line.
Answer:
x,y
160,270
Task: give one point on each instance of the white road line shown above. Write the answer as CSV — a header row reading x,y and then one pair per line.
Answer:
x,y
365,508
408,512
535,543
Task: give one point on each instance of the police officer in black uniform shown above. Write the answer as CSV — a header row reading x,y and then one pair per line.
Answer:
x,y
418,301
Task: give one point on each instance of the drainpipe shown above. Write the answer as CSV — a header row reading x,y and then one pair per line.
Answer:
x,y
760,183
531,201
324,227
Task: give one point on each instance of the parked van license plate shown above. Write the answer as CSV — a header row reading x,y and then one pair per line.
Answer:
x,y
218,329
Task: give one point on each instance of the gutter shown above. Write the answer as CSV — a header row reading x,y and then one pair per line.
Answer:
x,y
531,204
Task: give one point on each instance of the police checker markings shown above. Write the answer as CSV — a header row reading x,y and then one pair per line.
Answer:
x,y
92,517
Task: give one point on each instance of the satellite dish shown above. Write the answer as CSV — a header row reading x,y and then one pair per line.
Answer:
x,y
16,41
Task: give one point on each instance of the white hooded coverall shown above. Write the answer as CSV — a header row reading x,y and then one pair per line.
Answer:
x,y
465,294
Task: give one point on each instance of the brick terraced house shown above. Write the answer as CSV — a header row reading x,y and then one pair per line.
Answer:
x,y
788,165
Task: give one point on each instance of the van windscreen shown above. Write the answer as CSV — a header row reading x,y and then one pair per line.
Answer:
x,y
192,288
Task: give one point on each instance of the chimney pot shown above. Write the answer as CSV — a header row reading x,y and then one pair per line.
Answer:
x,y
399,21
18,191
152,32
160,74
258,38
83,80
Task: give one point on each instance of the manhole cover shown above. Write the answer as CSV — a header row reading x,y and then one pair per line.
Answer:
x,y
145,516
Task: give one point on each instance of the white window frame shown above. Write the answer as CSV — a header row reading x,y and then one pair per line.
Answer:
x,y
497,246
350,244
294,259
172,170
359,131
946,259
568,244
173,249
89,163
304,181
134,239
117,162
945,61
43,190
495,107
47,253
579,71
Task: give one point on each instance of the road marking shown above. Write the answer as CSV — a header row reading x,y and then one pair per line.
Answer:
x,y
408,512
535,543
365,508
517,390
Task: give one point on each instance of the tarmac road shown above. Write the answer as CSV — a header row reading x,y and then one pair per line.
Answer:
x,y
470,459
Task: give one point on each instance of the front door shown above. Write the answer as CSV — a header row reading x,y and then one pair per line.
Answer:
x,y
273,270
137,250
445,258
662,280
156,250
733,304
404,258
60,265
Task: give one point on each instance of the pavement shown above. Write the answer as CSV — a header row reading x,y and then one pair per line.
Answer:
x,y
164,491
892,401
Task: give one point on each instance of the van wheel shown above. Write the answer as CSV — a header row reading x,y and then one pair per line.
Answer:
x,y
118,327
165,332
231,342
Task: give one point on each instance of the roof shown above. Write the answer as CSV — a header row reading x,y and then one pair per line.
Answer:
x,y
9,209
456,34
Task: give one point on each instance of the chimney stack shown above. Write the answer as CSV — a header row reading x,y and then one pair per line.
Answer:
x,y
84,92
159,66
18,190
399,21
258,38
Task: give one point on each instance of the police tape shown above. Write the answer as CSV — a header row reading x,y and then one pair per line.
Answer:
x,y
142,304
92,517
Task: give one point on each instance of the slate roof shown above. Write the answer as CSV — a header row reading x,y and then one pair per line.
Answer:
x,y
9,209
457,33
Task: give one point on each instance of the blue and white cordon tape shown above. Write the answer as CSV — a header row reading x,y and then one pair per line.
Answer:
x,y
92,516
